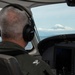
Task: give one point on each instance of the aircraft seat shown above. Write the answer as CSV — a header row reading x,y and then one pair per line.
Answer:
x,y
9,65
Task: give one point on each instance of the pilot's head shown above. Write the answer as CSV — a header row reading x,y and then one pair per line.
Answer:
x,y
16,25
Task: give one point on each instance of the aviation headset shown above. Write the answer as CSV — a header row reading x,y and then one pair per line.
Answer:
x,y
28,30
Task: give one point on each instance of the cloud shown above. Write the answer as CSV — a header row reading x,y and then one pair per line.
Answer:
x,y
61,27
57,27
45,29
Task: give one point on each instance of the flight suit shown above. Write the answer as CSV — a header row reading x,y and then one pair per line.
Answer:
x,y
28,64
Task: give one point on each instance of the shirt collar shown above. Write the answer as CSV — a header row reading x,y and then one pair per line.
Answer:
x,y
11,48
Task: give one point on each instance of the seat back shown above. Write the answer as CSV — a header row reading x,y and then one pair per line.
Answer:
x,y
9,65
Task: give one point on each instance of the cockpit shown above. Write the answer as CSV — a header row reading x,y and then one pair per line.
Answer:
x,y
54,40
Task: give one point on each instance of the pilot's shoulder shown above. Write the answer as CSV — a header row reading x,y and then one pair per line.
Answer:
x,y
34,65
40,65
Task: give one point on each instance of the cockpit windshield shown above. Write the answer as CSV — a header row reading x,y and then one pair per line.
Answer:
x,y
54,19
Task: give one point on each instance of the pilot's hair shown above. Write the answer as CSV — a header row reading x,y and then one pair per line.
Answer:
x,y
12,21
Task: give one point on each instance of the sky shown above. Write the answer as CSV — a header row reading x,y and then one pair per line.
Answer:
x,y
56,17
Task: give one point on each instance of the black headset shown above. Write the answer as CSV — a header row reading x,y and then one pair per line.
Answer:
x,y
28,30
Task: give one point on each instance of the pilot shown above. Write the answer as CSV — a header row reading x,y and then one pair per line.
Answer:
x,y
17,29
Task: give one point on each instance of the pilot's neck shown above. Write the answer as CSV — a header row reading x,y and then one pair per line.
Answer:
x,y
21,42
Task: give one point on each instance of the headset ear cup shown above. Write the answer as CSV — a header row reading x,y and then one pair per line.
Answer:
x,y
28,33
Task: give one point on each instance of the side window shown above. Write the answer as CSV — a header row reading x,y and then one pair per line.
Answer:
x,y
29,46
0,39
